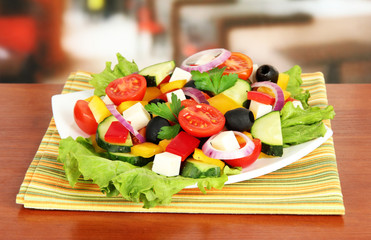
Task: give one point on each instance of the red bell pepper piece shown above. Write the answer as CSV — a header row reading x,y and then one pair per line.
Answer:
x,y
260,97
116,133
183,145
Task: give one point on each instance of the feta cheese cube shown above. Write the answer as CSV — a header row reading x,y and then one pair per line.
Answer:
x,y
259,109
225,141
180,74
137,115
167,164
179,93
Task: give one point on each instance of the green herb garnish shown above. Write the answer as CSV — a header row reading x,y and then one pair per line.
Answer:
x,y
171,114
214,81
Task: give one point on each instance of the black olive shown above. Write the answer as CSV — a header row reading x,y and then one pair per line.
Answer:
x,y
156,100
191,84
239,119
153,128
266,73
246,104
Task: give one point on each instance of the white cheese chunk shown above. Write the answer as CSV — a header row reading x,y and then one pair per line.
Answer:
x,y
137,115
253,74
225,141
167,164
107,100
259,109
179,93
297,103
180,74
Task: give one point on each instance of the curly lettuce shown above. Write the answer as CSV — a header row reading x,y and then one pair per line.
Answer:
x,y
101,80
136,184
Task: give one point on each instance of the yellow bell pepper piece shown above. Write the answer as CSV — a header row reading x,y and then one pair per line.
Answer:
x,y
146,149
283,80
163,143
151,93
241,140
98,108
125,105
223,103
89,98
167,87
200,156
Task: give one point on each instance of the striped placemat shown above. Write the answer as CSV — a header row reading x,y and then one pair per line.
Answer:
x,y
309,186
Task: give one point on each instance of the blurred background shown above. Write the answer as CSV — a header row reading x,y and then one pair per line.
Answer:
x,y
45,40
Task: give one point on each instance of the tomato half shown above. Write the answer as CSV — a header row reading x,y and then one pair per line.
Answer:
x,y
238,63
84,118
248,160
201,120
131,87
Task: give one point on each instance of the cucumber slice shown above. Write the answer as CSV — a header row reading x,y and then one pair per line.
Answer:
x,y
130,158
267,128
154,74
238,92
197,169
111,147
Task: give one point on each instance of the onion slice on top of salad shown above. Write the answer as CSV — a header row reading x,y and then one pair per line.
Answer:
x,y
195,94
279,96
206,60
212,152
121,119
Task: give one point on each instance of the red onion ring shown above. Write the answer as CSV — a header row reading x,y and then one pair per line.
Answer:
x,y
121,119
195,94
220,54
280,98
246,150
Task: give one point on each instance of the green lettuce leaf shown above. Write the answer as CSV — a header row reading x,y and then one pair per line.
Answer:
x,y
295,81
291,115
294,86
122,68
299,126
302,133
69,149
137,184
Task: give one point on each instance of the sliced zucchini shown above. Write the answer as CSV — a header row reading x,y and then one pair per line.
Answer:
x,y
111,147
267,128
154,74
130,158
197,169
238,92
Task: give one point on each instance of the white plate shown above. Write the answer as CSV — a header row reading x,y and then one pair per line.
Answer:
x,y
63,105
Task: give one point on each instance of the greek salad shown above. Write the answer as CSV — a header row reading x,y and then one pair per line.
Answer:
x,y
157,130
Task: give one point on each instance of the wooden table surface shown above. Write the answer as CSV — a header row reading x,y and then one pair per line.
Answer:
x,y
25,114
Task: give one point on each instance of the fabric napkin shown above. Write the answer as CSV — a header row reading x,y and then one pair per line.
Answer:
x,y
309,186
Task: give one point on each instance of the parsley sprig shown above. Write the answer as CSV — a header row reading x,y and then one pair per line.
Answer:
x,y
214,81
171,114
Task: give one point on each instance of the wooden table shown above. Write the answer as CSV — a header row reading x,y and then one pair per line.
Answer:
x,y
25,114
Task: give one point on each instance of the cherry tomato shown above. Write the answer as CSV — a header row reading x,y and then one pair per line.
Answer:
x,y
238,63
84,118
248,160
201,120
131,87
188,102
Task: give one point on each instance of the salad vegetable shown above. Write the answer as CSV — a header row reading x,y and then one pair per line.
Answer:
x,y
163,128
